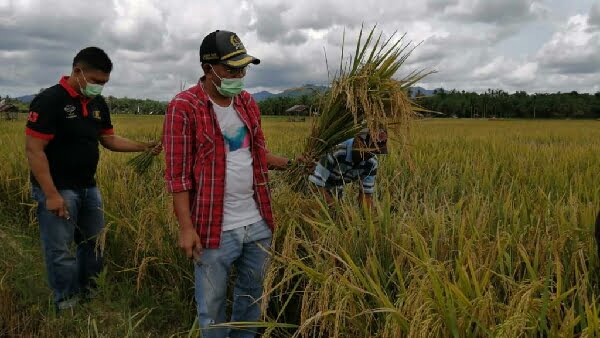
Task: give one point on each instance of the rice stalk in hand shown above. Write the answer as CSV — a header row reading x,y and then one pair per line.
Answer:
x,y
362,94
143,161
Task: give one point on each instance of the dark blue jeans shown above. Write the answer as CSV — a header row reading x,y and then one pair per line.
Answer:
x,y
70,273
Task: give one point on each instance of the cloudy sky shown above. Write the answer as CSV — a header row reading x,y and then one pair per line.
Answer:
x,y
532,45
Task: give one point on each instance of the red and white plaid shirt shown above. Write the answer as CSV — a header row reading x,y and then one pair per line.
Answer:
x,y
195,158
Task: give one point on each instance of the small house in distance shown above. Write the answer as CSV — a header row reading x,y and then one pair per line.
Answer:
x,y
297,113
298,110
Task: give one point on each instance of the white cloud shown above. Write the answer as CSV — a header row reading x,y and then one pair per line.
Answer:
x,y
489,11
573,50
154,43
493,69
524,74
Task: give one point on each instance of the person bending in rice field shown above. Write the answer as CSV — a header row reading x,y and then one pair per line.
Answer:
x,y
352,160
217,172
65,124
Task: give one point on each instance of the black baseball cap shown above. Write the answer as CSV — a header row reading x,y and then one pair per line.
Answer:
x,y
378,140
225,47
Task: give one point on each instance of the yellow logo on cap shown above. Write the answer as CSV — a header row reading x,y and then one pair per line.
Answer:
x,y
236,42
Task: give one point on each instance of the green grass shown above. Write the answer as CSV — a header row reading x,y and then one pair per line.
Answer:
x,y
483,229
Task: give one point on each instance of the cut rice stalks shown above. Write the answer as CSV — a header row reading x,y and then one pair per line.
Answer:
x,y
142,162
363,94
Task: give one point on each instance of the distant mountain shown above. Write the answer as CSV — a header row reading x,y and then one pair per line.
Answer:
x,y
307,89
26,98
422,91
262,95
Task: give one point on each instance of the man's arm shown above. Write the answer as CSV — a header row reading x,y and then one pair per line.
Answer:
x,y
122,144
277,162
319,178
177,139
116,143
38,162
189,241
274,162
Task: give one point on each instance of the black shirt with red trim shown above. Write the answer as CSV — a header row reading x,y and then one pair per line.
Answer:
x,y
72,123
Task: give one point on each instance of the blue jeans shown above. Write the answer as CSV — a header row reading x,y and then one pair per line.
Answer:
x,y
247,249
71,274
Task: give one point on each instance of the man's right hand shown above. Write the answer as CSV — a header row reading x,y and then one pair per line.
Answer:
x,y
307,163
189,242
56,205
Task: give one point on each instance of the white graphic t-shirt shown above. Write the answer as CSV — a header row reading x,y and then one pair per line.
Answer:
x,y
240,208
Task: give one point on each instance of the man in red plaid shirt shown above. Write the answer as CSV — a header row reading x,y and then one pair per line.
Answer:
x,y
217,170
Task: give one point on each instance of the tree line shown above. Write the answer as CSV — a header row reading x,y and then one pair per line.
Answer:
x,y
500,104
117,105
127,105
490,104
279,104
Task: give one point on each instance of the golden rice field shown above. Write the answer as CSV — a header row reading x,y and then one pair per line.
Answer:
x,y
481,229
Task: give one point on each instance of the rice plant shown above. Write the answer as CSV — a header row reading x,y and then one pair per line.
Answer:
x,y
363,93
142,162
487,232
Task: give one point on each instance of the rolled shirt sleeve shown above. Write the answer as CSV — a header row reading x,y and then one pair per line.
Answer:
x,y
177,145
322,171
319,176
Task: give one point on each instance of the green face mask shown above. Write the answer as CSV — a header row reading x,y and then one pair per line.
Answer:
x,y
90,89
229,87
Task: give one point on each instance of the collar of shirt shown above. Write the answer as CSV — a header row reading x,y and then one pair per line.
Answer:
x,y
64,82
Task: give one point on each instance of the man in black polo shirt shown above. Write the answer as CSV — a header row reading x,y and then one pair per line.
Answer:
x,y
65,124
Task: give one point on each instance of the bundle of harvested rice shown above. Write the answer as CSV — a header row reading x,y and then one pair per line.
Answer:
x,y
144,160
363,94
